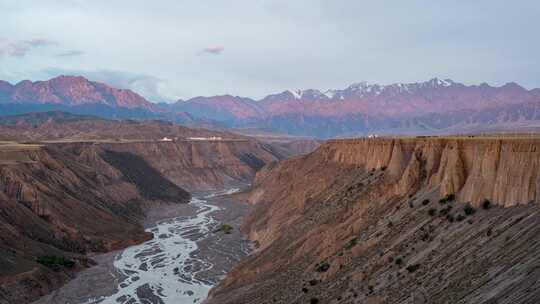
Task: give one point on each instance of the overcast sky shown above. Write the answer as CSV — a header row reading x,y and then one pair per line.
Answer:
x,y
172,49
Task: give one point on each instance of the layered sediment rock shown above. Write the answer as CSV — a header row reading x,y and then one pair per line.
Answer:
x,y
203,165
410,220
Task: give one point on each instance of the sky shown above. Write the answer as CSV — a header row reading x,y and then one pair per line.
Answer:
x,y
177,49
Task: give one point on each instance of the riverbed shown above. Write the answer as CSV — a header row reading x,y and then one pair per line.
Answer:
x,y
188,255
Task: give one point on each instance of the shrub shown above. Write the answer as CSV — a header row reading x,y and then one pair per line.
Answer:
x,y
486,204
225,228
425,202
432,211
383,168
460,217
399,261
450,218
468,209
445,210
351,244
322,267
314,301
447,198
412,268
55,262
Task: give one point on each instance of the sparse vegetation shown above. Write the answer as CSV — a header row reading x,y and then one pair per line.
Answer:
x,y
225,228
469,209
445,210
55,262
351,244
486,204
412,268
322,267
447,199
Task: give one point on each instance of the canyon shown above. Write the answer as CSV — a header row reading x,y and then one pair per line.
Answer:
x,y
394,220
420,219
70,194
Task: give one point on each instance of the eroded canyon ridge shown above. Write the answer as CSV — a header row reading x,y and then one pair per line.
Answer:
x,y
411,220
382,220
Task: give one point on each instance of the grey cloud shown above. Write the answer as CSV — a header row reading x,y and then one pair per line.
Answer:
x,y
214,50
22,47
72,53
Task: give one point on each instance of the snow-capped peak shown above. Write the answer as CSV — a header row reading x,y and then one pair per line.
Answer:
x,y
310,94
297,94
436,82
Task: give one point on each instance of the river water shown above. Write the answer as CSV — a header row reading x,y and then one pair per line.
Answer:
x,y
172,268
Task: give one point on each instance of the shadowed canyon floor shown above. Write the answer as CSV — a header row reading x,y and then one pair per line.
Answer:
x,y
413,220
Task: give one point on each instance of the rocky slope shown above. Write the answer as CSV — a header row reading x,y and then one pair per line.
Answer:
x,y
418,220
63,126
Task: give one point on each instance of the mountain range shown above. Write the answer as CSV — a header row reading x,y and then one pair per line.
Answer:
x,y
434,106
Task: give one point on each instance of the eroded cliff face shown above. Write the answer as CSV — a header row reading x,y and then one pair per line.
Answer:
x,y
502,170
204,165
57,203
376,221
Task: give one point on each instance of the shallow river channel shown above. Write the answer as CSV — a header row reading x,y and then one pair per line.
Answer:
x,y
184,260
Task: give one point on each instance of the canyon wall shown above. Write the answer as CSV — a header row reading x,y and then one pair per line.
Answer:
x,y
56,203
204,165
408,220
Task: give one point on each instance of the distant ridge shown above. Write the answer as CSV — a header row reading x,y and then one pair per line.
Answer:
x,y
433,106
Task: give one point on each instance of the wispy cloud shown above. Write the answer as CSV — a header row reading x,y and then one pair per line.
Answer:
x,y
21,47
214,50
71,53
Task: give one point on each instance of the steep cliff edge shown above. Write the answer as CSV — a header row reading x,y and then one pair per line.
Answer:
x,y
203,165
419,220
